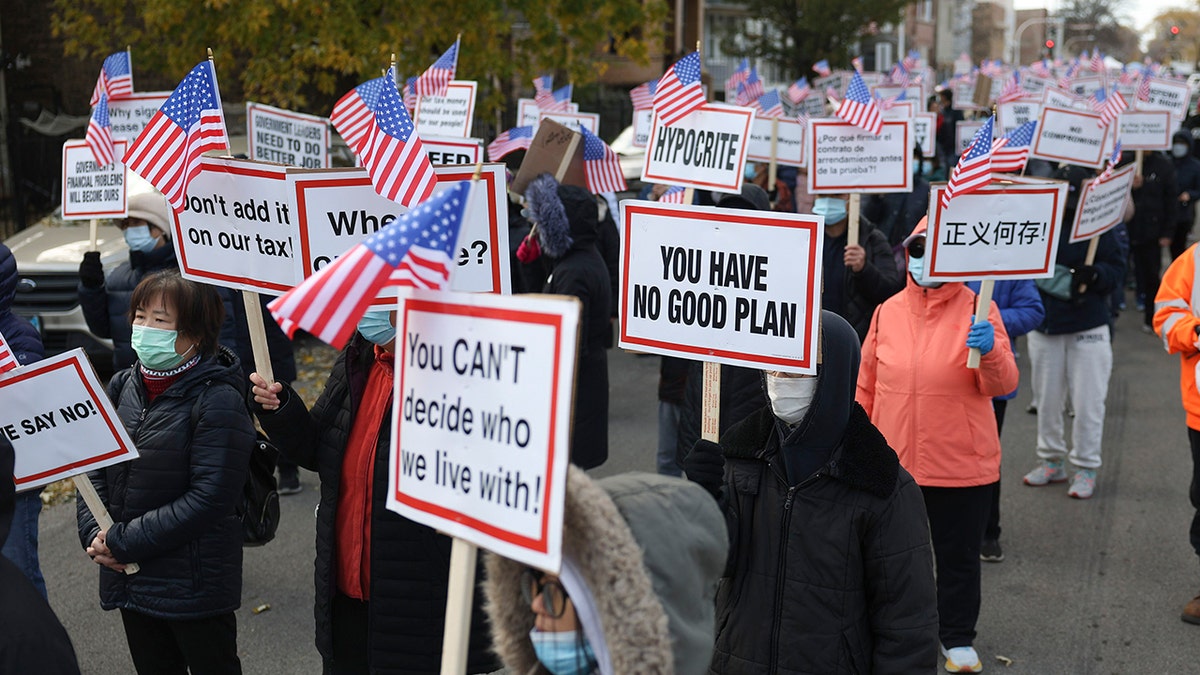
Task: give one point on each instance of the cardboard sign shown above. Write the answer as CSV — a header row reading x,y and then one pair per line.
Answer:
x,y
90,191
447,151
129,116
286,137
1060,98
844,158
591,121
789,148
59,421
450,115
1072,136
1102,206
913,94
1169,95
337,208
527,112
725,285
555,150
982,96
706,150
643,121
481,421
964,134
925,133
1005,230
1015,113
1145,130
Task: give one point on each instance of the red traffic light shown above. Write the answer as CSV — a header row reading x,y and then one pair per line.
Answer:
x,y
1049,44
1174,30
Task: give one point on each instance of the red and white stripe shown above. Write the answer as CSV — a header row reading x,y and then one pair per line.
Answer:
x,y
970,174
168,156
353,120
1010,159
99,139
863,115
424,268
399,170
7,360
1111,109
330,303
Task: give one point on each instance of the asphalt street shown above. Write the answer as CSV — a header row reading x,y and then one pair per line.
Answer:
x,y
1087,586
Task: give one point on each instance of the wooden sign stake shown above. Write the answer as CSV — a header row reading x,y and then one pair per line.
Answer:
x,y
852,219
463,555
103,519
258,336
710,424
773,167
981,311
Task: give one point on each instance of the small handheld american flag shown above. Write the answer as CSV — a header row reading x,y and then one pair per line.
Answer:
x,y
673,195
738,76
1012,89
601,166
749,91
7,360
679,91
822,68
517,138
859,109
799,90
1012,156
642,95
974,168
543,91
769,105
99,134
116,78
1113,160
560,100
436,78
1109,106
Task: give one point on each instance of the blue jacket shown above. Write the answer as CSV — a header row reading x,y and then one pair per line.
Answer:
x,y
1021,309
22,338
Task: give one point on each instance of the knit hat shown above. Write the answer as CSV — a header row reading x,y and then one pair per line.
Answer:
x,y
152,208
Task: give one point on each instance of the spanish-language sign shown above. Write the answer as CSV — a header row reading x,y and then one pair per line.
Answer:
x,y
450,115
527,111
445,151
59,421
844,158
1001,231
925,133
727,285
91,191
706,150
573,120
238,227
1169,95
1145,129
1072,136
1013,114
129,115
964,135
643,120
1102,205
789,146
286,137
337,208
481,421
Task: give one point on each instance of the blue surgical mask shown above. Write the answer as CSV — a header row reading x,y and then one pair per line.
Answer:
x,y
916,267
566,653
748,171
832,208
155,348
138,238
376,326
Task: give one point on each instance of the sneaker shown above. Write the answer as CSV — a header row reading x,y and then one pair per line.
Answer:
x,y
990,551
1084,484
289,484
1031,408
962,660
1191,612
1047,471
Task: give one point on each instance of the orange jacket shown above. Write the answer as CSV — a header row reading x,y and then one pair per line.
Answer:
x,y
914,383
1175,320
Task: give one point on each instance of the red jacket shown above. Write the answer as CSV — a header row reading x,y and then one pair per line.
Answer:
x,y
914,383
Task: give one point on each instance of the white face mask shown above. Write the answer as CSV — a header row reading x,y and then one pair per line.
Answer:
x,y
791,396
1179,150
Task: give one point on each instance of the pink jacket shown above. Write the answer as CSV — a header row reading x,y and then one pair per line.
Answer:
x,y
914,383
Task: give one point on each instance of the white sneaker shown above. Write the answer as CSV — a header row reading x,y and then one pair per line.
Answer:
x,y
962,660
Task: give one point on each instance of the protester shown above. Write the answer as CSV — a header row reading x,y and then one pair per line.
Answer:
x,y
897,213
914,379
1155,203
857,277
779,194
947,129
1187,179
381,579
829,568
173,507
641,557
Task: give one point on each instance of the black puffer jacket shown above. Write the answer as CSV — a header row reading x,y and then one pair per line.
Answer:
x,y
21,336
878,280
1155,203
830,569
741,394
106,309
173,506
409,564
1187,179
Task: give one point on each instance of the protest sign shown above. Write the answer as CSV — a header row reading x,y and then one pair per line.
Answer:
x,y
481,425
982,95
90,191
237,228
129,115
836,82
59,421
1005,230
643,120
725,285
1145,129
445,151
1060,98
963,95
1169,95
286,137
844,158
527,112
705,150
925,133
964,134
789,144
1013,114
1035,85
555,150
913,94
1102,206
899,110
814,105
1072,136
337,208
573,120
1083,87
450,115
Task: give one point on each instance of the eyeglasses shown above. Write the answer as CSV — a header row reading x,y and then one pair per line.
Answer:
x,y
554,596
916,248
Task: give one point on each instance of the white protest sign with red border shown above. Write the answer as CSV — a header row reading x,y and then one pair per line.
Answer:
x,y
1169,95
450,151
450,115
725,285
964,135
1061,98
1072,136
1145,130
59,421
527,111
925,133
845,158
286,137
481,421
1005,230
1013,114
91,191
1102,206
964,95
789,145
643,120
128,116
706,150
900,110
572,120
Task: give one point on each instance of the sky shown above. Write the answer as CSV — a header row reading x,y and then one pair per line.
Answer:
x,y
1141,11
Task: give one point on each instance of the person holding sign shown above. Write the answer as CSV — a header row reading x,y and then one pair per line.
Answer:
x,y
1155,200
641,557
858,277
914,376
174,507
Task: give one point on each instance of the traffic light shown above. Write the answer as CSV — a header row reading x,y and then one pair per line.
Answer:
x,y
1049,44
1174,32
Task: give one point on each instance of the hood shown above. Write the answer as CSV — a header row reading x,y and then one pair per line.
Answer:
x,y
8,278
567,216
1182,136
8,489
650,549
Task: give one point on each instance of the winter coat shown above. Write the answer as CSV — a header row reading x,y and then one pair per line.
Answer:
x,y
1176,319
173,506
409,563
897,213
1155,203
23,339
1089,310
1021,310
878,280
914,378
106,309
235,334
1187,179
645,552
830,569
741,394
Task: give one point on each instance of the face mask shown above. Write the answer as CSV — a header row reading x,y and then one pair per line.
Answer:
x,y
155,347
376,326
748,172
832,208
566,653
1179,150
791,396
138,238
916,267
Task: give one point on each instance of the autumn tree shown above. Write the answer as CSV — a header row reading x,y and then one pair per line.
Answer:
x,y
1098,23
1181,45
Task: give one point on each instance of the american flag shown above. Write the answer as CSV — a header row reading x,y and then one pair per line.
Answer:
x,y
189,124
749,91
673,195
1109,106
7,360
832,95
1097,61
679,91
912,60
1143,91
799,90
1113,160
738,76
643,95
1065,80
543,91
822,68
560,100
1012,89
889,102
352,114
601,166
1011,157
858,108
99,134
410,94
436,78
1040,68
392,152
414,250
769,105
116,78
899,75
974,168
517,138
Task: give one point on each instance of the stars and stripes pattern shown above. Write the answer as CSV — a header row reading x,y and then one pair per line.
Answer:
x,y
912,60
1143,90
1040,68
116,78
353,115
749,91
410,94
1110,106
974,168
899,75
543,91
857,62
642,95
1065,80
769,105
1097,61
679,92
601,166
1012,89
1113,160
738,76
560,100
99,134
673,195
7,360
517,138
414,250
822,68
190,123
1012,156
436,78
799,90
858,108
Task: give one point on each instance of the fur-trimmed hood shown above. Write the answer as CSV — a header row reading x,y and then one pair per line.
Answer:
x,y
567,216
650,549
